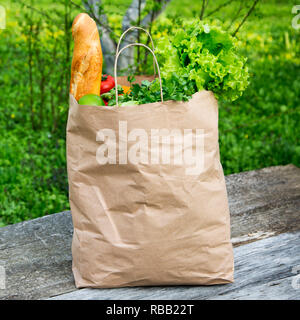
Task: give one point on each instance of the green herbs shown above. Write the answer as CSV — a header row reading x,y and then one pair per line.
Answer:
x,y
174,88
196,57
207,56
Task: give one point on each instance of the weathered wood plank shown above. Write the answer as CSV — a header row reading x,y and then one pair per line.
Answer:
x,y
263,270
37,258
264,202
37,253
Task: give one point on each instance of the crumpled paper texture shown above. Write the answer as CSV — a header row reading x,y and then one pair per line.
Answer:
x,y
147,224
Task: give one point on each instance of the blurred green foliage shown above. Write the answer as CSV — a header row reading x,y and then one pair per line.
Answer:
x,y
259,129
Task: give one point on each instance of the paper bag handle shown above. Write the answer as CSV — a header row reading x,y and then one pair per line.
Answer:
x,y
138,28
116,65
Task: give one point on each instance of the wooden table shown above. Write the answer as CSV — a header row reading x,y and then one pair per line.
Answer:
x,y
265,224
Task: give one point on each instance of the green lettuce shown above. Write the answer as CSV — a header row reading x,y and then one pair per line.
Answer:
x,y
207,56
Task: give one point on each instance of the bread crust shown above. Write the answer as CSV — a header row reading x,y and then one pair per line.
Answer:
x,y
86,69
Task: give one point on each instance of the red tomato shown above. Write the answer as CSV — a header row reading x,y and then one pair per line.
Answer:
x,y
107,83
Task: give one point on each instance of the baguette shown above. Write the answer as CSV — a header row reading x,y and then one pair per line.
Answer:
x,y
86,69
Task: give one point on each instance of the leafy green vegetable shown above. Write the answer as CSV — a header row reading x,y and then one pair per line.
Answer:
x,y
129,103
112,93
196,57
175,88
209,58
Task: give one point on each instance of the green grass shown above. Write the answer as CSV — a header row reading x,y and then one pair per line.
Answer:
x,y
258,130
33,177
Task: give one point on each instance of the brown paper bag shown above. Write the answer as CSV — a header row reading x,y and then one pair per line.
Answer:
x,y
148,195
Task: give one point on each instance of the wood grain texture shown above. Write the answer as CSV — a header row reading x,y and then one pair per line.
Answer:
x,y
264,202
37,253
37,258
263,270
